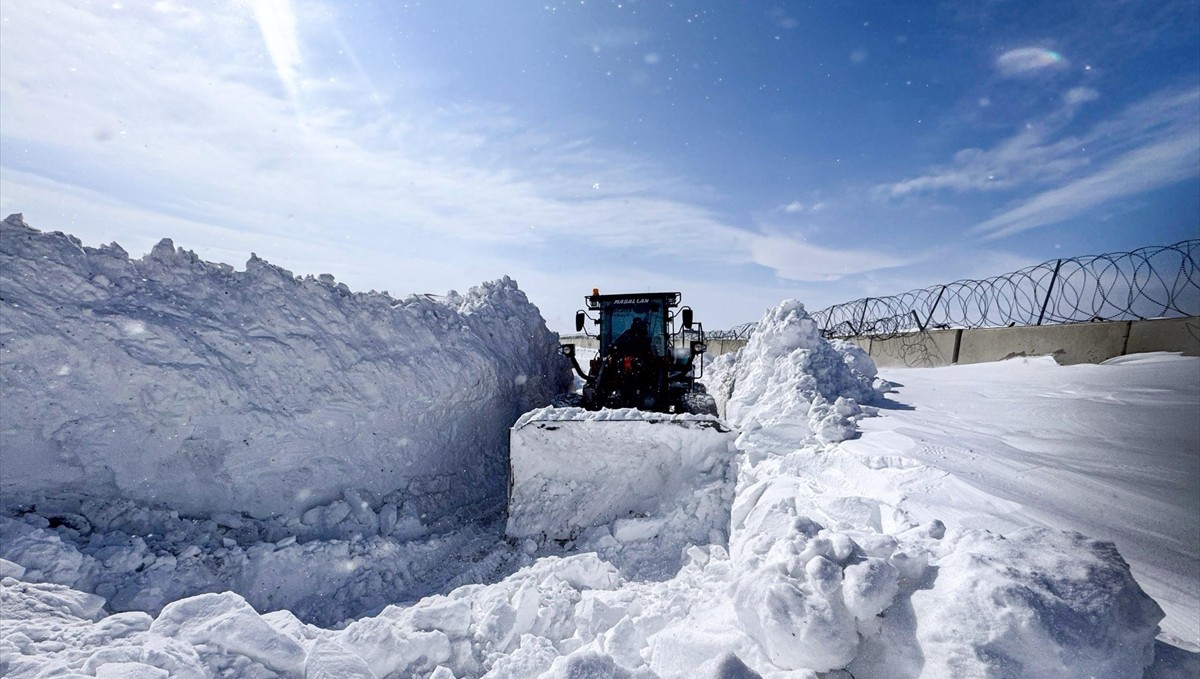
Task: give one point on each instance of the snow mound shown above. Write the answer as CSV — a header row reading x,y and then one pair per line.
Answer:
x,y
182,383
788,374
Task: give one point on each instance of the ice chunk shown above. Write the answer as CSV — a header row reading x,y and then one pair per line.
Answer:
x,y
226,621
452,616
797,627
328,660
46,598
9,569
1042,602
390,649
592,665
868,587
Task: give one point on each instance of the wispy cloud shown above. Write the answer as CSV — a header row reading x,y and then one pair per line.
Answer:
x,y
798,260
1142,169
206,137
174,117
1150,144
1080,95
1035,153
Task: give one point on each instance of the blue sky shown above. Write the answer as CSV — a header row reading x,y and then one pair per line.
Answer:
x,y
742,153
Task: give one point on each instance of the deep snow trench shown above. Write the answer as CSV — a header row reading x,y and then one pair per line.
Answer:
x,y
275,476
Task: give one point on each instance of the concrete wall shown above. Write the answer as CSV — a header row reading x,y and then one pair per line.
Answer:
x,y
580,341
716,347
1165,334
919,350
1068,344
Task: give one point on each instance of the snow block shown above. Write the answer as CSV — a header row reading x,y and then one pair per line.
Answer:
x,y
1040,602
226,621
177,382
573,470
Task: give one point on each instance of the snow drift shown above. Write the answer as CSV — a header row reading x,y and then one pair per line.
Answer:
x,y
182,383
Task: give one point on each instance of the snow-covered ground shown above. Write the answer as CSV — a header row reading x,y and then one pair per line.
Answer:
x,y
862,539
1111,451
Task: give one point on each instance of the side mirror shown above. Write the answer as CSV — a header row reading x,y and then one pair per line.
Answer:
x,y
579,316
567,350
698,348
686,312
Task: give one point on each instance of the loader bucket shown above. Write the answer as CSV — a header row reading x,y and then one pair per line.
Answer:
x,y
571,469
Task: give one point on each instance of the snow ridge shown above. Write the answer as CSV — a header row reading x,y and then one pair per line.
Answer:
x,y
186,384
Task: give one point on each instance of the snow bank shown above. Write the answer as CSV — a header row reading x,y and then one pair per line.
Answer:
x,y
186,384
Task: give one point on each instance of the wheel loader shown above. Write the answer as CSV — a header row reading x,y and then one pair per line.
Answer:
x,y
643,361
639,432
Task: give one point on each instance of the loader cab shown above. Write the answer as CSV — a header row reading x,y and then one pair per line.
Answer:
x,y
618,317
660,373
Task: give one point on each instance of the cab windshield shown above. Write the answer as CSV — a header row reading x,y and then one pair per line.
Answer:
x,y
619,319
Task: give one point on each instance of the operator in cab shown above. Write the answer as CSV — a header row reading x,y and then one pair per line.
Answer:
x,y
635,341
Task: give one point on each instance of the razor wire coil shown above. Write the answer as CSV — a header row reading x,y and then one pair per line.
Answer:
x,y
1150,282
739,332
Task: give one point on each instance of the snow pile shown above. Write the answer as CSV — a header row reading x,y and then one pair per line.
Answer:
x,y
182,383
932,602
636,487
787,373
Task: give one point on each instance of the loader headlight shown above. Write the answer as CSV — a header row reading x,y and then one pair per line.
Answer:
x,y
567,350
699,348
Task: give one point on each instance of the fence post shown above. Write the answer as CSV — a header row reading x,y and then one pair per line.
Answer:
x,y
935,303
1049,290
862,318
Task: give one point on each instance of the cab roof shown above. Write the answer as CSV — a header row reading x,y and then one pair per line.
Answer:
x,y
670,299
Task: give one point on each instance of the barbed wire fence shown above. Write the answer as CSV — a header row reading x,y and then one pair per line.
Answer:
x,y
1151,282
739,332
